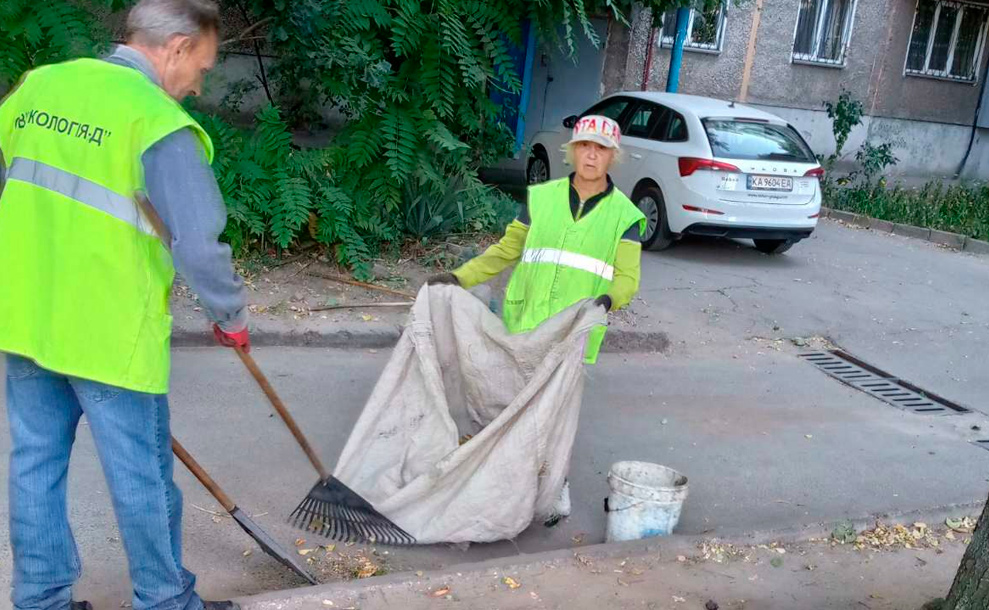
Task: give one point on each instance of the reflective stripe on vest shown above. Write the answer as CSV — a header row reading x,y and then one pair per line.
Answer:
x,y
570,259
80,190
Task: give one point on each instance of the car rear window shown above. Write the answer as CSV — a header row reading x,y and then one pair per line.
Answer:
x,y
755,140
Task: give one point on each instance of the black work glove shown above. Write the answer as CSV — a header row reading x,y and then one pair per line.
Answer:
x,y
443,278
604,301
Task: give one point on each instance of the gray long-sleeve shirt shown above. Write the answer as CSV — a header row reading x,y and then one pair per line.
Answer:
x,y
183,191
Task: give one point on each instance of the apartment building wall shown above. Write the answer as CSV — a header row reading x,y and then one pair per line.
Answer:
x,y
929,120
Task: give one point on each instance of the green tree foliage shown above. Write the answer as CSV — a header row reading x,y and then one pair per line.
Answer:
x,y
37,33
413,80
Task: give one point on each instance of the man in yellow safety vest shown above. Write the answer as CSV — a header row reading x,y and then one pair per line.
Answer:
x,y
86,272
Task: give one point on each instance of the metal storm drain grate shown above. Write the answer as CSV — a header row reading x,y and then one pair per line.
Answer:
x,y
871,380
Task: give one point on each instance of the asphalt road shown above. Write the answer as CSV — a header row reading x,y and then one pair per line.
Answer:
x,y
767,441
915,309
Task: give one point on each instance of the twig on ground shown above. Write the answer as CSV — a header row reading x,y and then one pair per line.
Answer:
x,y
343,280
211,512
360,306
301,269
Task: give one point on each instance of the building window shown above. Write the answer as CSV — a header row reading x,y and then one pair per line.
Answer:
x,y
705,31
823,30
947,40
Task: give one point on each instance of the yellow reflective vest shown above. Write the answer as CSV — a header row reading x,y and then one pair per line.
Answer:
x,y
566,260
84,279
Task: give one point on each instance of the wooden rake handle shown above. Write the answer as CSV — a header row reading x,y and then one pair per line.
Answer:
x,y
279,406
203,477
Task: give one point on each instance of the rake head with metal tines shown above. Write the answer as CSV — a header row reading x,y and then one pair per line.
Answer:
x,y
334,510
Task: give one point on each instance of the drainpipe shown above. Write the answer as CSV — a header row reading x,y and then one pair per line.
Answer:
x,y
648,67
530,54
676,57
975,122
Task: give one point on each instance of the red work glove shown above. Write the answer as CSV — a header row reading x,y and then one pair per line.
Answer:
x,y
239,339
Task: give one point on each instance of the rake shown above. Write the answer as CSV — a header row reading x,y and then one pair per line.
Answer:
x,y
331,508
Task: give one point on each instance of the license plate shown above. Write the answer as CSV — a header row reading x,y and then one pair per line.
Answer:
x,y
770,183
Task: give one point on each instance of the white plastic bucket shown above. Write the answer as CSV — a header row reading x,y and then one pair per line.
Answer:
x,y
645,500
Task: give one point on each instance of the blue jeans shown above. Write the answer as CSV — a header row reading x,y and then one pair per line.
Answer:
x,y
132,437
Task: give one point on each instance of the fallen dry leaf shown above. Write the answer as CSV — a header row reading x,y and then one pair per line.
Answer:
x,y
367,569
247,553
330,548
511,582
965,525
441,592
300,541
305,552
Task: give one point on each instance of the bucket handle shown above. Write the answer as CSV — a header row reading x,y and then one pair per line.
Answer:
x,y
608,509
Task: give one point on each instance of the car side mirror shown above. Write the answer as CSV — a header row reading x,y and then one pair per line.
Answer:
x,y
570,121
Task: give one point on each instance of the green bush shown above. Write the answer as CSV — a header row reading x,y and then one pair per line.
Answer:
x,y
960,209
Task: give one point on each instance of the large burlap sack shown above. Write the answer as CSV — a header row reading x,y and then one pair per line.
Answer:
x,y
457,371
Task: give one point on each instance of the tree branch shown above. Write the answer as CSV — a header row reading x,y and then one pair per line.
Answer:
x,y
257,50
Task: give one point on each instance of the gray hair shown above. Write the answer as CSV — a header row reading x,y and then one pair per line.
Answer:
x,y
155,22
568,155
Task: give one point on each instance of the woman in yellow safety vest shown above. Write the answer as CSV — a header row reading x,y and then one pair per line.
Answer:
x,y
575,238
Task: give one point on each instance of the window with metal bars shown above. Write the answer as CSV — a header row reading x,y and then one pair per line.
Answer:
x,y
705,30
947,40
824,28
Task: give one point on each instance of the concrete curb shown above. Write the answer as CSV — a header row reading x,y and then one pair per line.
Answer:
x,y
311,597
952,240
911,231
347,336
956,241
883,226
384,336
976,246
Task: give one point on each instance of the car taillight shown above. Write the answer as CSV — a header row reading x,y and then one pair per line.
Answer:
x,y
689,165
817,172
693,208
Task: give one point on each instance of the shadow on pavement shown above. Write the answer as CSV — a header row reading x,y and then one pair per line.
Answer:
x,y
729,253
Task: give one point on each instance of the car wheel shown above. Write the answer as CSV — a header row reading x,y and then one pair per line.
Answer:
x,y
538,169
773,246
650,202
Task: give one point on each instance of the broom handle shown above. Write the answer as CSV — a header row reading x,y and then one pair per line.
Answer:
x,y
279,406
204,478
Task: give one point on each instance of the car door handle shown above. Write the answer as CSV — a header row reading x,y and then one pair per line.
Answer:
x,y
636,156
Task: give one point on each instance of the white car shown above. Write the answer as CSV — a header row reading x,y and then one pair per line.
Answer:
x,y
696,165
